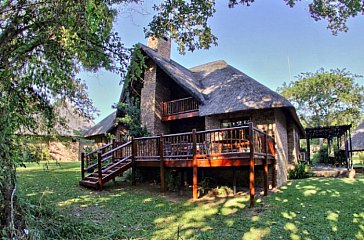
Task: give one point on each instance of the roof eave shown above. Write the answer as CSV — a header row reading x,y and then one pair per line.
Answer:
x,y
199,97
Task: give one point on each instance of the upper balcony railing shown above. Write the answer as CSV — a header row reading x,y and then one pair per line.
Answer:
x,y
179,106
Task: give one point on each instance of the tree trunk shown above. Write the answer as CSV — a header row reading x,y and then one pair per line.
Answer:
x,y
7,193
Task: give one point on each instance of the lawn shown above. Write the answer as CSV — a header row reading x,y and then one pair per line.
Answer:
x,y
304,209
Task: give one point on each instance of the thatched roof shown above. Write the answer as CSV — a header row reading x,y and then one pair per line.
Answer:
x,y
220,88
357,138
103,127
229,90
181,75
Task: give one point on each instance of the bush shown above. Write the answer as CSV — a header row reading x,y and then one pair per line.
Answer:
x,y
300,171
46,222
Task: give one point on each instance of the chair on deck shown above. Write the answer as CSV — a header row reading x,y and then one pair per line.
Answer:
x,y
185,148
167,147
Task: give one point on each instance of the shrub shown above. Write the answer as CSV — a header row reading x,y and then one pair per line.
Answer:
x,y
300,171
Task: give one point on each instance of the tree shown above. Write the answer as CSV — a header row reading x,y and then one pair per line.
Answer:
x,y
187,21
44,44
326,97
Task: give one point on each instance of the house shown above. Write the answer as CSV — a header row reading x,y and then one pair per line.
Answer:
x,y
357,139
63,142
174,99
98,133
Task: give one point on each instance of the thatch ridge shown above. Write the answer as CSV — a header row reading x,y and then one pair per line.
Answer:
x,y
229,90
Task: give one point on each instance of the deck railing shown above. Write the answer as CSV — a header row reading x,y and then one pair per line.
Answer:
x,y
239,143
179,106
205,144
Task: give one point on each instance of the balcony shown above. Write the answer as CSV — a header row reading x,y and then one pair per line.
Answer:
x,y
179,109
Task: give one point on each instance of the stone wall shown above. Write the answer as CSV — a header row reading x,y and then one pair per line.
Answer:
x,y
212,122
161,45
263,119
281,146
155,90
274,122
147,100
162,93
293,143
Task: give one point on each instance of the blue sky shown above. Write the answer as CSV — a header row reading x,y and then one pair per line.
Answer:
x,y
268,41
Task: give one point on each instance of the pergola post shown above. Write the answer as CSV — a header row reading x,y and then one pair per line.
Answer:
x,y
308,149
351,150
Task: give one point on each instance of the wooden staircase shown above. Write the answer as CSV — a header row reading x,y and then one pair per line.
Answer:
x,y
105,163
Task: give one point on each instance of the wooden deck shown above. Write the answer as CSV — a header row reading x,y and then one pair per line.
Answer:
x,y
218,148
179,109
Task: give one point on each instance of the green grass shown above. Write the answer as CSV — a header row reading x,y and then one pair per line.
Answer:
x,y
304,209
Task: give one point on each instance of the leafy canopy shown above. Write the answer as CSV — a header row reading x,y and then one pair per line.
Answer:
x,y
44,44
187,21
326,97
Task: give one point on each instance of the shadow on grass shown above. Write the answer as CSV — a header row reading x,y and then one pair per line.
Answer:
x,y
313,208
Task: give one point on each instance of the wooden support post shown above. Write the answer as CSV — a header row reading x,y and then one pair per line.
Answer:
x,y
274,180
350,150
180,182
308,150
161,163
195,181
82,165
133,166
234,180
266,166
112,147
346,151
251,165
99,170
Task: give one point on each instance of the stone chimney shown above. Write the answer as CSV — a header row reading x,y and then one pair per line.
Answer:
x,y
161,45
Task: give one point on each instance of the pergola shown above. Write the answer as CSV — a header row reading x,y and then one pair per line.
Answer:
x,y
331,132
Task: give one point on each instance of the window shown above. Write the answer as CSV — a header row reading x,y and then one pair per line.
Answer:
x,y
237,122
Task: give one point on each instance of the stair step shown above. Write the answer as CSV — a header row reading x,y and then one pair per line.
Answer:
x,y
87,183
90,178
117,169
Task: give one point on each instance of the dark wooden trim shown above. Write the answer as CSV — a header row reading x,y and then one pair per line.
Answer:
x,y
251,166
113,147
133,166
99,170
266,166
98,150
234,180
161,164
148,163
194,180
308,149
180,116
205,163
274,177
82,165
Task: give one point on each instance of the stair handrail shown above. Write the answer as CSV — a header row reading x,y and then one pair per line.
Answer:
x,y
85,165
98,149
102,157
95,164
116,163
115,149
